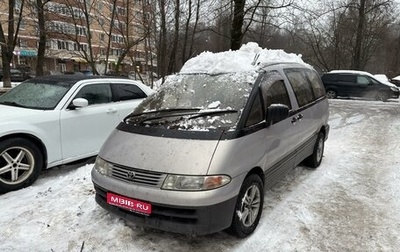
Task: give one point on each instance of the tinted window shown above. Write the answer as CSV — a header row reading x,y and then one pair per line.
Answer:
x,y
128,92
346,78
301,86
328,77
362,80
96,94
256,114
277,94
273,91
316,84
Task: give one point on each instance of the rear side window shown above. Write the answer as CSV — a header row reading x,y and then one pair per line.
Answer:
x,y
346,78
128,92
328,77
316,83
301,86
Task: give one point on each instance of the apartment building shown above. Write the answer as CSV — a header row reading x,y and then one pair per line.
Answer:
x,y
82,34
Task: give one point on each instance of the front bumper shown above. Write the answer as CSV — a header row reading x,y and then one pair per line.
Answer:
x,y
189,220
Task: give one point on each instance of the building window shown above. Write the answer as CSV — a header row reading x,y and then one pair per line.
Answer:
x,y
121,11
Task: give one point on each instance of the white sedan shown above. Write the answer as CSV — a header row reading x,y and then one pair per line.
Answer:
x,y
53,120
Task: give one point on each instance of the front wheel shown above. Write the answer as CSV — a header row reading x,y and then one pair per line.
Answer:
x,y
20,164
248,207
331,94
381,96
314,160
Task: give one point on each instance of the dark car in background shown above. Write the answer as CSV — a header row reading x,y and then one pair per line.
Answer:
x,y
349,83
17,75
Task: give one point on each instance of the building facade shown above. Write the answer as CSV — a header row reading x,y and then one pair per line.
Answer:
x,y
85,34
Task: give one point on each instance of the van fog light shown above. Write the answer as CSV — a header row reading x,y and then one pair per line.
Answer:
x,y
194,183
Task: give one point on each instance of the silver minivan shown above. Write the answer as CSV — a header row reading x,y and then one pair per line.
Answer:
x,y
196,157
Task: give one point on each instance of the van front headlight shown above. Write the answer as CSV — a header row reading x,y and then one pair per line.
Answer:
x,y
102,166
194,183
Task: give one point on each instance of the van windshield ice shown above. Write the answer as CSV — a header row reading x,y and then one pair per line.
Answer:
x,y
196,102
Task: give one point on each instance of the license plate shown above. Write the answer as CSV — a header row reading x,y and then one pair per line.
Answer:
x,y
129,204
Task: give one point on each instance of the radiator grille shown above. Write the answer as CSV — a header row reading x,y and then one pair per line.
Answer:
x,y
137,176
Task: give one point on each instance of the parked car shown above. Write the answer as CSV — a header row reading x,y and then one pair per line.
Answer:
x,y
196,157
395,80
16,75
349,83
53,120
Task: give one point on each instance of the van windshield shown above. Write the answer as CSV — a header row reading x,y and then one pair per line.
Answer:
x,y
196,102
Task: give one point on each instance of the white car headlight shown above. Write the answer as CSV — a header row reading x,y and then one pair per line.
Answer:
x,y
194,183
102,166
395,89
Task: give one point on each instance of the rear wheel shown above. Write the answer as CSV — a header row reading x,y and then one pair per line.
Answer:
x,y
331,94
248,207
20,164
314,160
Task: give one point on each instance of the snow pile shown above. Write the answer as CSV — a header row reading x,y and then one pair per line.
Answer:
x,y
248,58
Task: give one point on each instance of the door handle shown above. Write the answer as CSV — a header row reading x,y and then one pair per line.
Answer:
x,y
297,118
111,111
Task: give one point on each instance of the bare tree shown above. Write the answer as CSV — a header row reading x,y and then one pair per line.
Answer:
x,y
8,39
40,7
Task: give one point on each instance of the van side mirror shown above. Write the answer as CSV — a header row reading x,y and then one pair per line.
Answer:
x,y
78,103
276,113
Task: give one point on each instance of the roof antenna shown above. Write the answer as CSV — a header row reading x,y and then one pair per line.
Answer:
x,y
255,59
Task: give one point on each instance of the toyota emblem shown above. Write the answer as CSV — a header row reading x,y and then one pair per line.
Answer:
x,y
131,175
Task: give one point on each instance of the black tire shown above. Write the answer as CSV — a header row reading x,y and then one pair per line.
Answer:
x,y
314,160
381,96
248,207
20,164
331,94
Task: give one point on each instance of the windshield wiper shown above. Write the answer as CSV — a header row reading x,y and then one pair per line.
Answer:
x,y
213,112
165,113
193,113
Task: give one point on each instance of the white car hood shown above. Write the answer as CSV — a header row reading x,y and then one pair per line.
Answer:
x,y
11,113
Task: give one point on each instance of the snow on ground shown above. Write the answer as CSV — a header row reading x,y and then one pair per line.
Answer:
x,y
350,203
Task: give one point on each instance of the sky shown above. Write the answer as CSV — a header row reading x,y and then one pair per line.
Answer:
x,y
350,203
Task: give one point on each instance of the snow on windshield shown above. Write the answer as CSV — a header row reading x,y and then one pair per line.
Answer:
x,y
211,81
248,58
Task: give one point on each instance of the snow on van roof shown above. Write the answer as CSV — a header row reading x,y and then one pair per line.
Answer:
x,y
248,58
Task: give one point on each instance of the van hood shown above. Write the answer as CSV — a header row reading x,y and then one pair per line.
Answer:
x,y
159,154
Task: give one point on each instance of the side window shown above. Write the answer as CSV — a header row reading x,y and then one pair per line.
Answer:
x,y
277,94
128,92
347,78
362,80
272,90
96,93
301,87
316,83
256,113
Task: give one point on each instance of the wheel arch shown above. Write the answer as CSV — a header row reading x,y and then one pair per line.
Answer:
x,y
257,171
34,140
